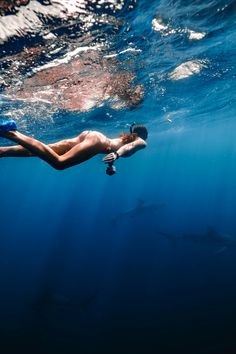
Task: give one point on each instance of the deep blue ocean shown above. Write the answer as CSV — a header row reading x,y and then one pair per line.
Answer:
x,y
142,262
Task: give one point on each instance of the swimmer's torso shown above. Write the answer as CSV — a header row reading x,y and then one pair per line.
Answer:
x,y
103,143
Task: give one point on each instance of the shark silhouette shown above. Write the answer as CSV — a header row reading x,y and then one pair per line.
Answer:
x,y
140,208
211,236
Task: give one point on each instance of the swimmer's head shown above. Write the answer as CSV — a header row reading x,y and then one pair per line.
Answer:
x,y
140,130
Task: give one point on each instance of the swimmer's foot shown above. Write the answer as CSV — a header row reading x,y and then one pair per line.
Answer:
x,y
7,126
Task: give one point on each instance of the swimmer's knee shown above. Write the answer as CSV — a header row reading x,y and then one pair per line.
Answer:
x,y
60,164
57,164
59,168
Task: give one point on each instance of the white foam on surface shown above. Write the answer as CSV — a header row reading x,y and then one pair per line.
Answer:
x,y
166,30
123,52
68,57
196,35
187,69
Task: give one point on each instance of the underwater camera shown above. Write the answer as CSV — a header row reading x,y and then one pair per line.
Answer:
x,y
111,170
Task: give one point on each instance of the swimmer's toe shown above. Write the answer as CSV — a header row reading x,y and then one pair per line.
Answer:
x,y
7,126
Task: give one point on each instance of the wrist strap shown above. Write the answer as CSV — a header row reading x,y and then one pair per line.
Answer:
x,y
117,155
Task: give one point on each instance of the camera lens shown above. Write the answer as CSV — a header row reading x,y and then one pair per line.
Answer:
x,y
111,170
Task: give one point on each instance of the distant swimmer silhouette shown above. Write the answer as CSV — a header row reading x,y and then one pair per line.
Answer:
x,y
71,152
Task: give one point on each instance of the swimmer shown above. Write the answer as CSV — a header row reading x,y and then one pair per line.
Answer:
x,y
71,152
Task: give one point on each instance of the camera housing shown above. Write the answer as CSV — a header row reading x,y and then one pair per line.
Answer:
x,y
111,170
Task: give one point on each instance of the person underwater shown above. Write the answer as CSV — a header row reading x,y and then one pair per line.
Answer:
x,y
70,152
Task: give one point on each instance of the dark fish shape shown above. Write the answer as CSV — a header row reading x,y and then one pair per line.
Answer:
x,y
140,208
211,236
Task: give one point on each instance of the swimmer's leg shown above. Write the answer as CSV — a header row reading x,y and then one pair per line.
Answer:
x,y
60,148
79,153
35,147
14,151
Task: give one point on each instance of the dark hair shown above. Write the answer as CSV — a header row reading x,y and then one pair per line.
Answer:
x,y
140,130
128,137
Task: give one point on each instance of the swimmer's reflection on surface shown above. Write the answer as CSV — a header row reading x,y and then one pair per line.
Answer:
x,y
81,85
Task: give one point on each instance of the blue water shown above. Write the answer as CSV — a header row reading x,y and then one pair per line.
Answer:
x,y
73,280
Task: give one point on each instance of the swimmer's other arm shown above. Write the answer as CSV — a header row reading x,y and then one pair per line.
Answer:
x,y
125,150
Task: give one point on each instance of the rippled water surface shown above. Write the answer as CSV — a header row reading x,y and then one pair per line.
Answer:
x,y
93,61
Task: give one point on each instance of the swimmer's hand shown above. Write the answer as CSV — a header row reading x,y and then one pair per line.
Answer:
x,y
110,157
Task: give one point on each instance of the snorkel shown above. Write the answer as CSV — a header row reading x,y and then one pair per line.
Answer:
x,y
131,127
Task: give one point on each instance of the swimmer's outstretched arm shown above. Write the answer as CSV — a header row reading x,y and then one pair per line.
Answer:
x,y
126,150
129,149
